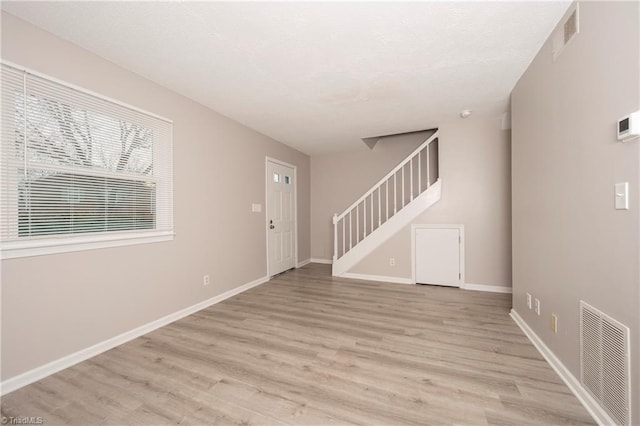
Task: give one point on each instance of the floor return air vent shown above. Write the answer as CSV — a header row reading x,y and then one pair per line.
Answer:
x,y
604,362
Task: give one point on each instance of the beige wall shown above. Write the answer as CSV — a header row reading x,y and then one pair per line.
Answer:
x,y
55,305
569,243
475,173
339,179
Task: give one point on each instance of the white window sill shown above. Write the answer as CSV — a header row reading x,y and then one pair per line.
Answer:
x,y
65,244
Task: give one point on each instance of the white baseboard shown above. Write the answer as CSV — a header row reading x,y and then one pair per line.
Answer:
x,y
485,287
43,371
395,280
303,263
325,261
590,404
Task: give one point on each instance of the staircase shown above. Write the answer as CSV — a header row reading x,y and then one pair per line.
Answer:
x,y
406,191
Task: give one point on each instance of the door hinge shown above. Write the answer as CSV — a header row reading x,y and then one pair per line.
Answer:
x,y
459,275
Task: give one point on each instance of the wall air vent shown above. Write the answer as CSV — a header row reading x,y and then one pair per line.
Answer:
x,y
571,26
564,32
604,362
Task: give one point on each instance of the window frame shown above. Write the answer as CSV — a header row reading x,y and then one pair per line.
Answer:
x,y
71,242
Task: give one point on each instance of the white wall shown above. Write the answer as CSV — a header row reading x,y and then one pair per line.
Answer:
x,y
569,243
55,305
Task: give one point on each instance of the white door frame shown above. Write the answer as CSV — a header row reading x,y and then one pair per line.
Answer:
x,y
415,227
295,207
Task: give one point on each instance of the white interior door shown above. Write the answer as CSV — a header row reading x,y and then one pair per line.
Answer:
x,y
437,256
281,220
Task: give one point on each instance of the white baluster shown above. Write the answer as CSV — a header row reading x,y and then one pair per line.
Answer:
x,y
411,177
344,228
386,199
335,237
379,206
372,212
402,187
364,217
357,224
419,173
350,230
428,174
395,195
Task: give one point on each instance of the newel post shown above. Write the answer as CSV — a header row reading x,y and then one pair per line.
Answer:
x,y
335,237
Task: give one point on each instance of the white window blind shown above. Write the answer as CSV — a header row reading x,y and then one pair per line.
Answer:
x,y
78,168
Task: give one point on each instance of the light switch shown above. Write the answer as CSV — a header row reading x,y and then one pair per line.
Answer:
x,y
622,195
256,208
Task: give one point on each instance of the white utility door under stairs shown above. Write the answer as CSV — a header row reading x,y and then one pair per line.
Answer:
x,y
438,255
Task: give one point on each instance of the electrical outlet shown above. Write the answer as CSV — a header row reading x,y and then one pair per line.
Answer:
x,y
537,306
205,280
554,323
392,261
528,300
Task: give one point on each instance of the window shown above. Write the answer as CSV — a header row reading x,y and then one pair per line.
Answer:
x,y
79,170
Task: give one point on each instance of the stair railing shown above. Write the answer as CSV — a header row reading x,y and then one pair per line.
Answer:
x,y
414,175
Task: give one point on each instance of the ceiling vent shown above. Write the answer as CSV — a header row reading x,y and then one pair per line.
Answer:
x,y
604,362
566,31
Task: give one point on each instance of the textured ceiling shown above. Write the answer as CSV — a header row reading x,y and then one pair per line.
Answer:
x,y
318,76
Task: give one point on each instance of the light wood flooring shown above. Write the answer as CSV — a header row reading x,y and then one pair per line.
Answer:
x,y
307,349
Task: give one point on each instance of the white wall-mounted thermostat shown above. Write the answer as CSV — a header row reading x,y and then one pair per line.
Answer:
x,y
629,127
